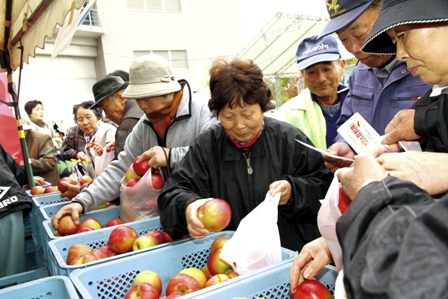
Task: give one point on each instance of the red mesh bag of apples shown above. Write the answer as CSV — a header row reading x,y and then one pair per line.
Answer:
x,y
139,190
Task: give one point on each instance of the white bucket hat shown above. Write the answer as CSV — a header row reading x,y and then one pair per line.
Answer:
x,y
150,76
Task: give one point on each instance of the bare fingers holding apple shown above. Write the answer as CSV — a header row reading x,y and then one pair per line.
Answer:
x,y
194,225
72,209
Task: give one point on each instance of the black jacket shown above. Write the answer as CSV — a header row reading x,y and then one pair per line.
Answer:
x,y
431,121
215,167
12,176
132,114
394,242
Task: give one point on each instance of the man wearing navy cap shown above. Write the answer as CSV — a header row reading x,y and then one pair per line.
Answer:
x,y
317,108
379,85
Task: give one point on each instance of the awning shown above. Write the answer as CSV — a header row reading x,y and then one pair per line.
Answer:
x,y
31,21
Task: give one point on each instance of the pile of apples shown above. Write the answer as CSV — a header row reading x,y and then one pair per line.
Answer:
x,y
121,240
39,190
147,284
67,227
138,170
83,181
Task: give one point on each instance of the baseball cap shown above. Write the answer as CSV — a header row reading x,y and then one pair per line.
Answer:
x,y
313,49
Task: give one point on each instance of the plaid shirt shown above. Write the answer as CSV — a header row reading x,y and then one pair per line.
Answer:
x,y
74,142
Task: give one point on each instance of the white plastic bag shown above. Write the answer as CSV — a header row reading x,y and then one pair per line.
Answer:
x,y
327,216
139,201
101,162
256,241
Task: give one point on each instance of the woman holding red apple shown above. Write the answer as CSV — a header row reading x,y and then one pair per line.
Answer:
x,y
242,158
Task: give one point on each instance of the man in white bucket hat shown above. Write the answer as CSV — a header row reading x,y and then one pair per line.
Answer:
x,y
172,121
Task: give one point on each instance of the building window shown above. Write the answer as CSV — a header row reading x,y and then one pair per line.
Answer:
x,y
178,58
155,5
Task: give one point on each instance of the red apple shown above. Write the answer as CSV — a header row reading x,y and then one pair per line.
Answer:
x,y
84,230
90,222
103,252
182,283
215,279
51,189
85,180
113,222
344,200
167,237
197,274
312,289
158,235
83,259
157,181
37,190
150,277
215,214
142,290
144,241
206,272
122,238
75,251
218,243
66,226
141,167
132,182
131,174
216,265
68,180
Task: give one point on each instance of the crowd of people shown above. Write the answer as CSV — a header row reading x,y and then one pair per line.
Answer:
x,y
236,147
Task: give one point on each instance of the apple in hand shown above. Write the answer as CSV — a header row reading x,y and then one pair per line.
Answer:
x,y
67,179
85,180
75,251
141,167
66,226
215,279
51,189
197,274
37,190
144,241
113,222
131,174
218,243
182,283
311,289
122,238
215,214
216,265
90,222
150,277
158,235
142,290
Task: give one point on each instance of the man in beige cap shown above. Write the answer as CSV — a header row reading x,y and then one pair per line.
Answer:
x,y
172,121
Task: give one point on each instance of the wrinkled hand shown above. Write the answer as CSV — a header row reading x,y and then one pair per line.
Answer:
x,y
96,147
312,258
365,168
39,181
401,127
74,209
340,149
195,227
72,190
156,156
284,187
425,169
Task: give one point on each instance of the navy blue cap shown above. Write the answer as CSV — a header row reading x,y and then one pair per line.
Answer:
x,y
313,50
343,13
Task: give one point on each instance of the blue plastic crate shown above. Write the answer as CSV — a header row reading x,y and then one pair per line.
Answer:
x,y
19,278
103,216
113,280
27,225
271,284
32,255
59,287
59,247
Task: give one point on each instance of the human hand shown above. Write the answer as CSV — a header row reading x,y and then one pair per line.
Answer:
x,y
156,156
282,186
39,181
401,127
340,149
74,209
81,156
111,147
96,147
312,258
425,169
365,168
195,227
72,190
